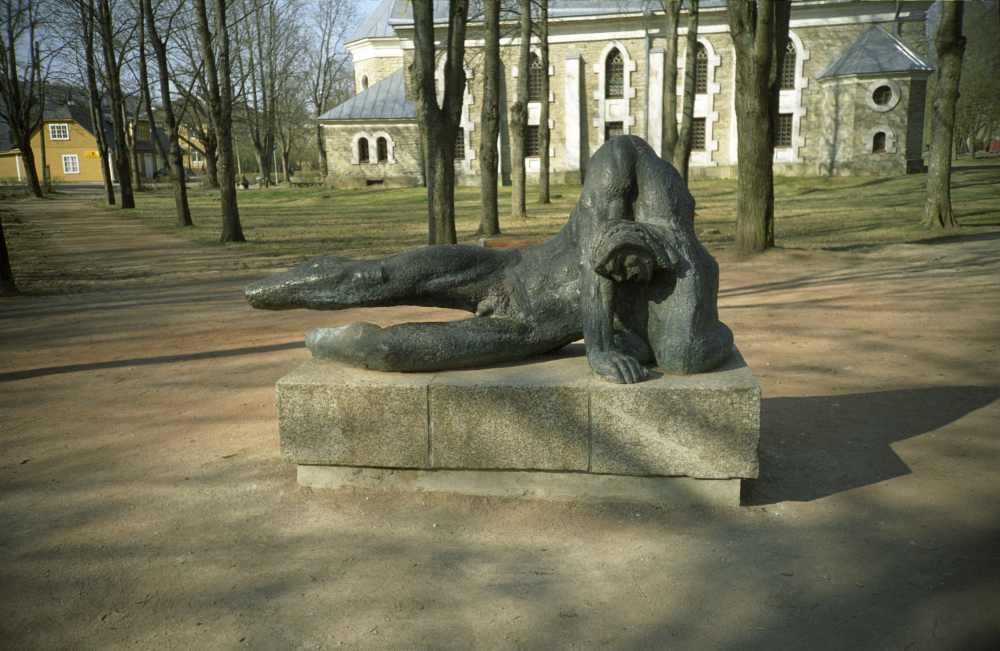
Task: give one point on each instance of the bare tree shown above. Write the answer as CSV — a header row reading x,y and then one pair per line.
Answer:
x,y
329,21
519,115
220,104
175,156
950,46
87,14
544,133
671,18
682,151
111,40
439,122
759,29
21,85
489,117
7,285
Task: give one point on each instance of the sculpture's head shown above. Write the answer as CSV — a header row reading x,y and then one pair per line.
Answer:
x,y
317,284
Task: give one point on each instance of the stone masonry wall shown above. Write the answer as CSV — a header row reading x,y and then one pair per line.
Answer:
x,y
826,110
403,168
376,69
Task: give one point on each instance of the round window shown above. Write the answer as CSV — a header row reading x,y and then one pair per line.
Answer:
x,y
882,95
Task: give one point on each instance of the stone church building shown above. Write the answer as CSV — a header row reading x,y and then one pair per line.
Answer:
x,y
853,90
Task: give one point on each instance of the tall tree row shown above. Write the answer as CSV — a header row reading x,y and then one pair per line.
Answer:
x,y
671,18
950,46
328,22
489,119
519,114
22,78
682,150
544,133
220,105
175,158
759,30
114,47
438,121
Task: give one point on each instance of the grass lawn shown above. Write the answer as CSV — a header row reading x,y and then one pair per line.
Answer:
x,y
813,212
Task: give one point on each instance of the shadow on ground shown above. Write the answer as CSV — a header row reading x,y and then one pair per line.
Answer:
x,y
822,445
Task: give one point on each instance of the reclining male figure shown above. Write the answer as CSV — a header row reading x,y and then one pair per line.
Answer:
x,y
626,272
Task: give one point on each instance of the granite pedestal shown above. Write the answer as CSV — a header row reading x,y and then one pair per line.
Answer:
x,y
545,427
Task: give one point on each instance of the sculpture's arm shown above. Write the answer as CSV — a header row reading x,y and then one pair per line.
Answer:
x,y
597,295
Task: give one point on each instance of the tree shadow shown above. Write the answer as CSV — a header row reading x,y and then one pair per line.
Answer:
x,y
817,446
147,361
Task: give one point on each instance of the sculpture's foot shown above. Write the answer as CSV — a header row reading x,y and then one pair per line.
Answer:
x,y
350,343
327,283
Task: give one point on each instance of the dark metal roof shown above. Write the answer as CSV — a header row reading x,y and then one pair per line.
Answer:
x,y
376,24
402,12
876,52
385,100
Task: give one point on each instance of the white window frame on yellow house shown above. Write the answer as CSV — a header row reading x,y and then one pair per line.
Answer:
x,y
71,169
61,128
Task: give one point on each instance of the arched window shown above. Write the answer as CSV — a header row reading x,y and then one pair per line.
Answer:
x,y
788,67
535,73
614,75
363,150
382,150
700,69
878,142
364,82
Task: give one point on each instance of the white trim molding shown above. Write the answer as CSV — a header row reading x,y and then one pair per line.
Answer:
x,y
357,138
74,167
704,103
61,127
790,101
890,140
390,148
893,99
614,109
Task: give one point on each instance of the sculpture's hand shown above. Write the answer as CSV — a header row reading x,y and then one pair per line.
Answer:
x,y
617,367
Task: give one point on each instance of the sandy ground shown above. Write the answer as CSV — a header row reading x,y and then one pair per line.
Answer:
x,y
143,503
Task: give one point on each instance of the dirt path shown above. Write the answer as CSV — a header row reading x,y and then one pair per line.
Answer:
x,y
143,503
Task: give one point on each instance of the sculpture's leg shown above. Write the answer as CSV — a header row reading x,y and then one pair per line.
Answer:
x,y
683,324
430,346
440,276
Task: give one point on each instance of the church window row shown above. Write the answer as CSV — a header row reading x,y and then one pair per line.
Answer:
x,y
783,133
363,153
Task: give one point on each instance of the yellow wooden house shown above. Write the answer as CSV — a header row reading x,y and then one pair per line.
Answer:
x,y
71,152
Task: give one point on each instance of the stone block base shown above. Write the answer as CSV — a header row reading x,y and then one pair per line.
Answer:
x,y
547,417
561,486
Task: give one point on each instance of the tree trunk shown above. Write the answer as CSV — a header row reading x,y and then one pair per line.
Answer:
x,y
175,155
950,46
113,71
489,221
96,114
7,285
682,151
133,154
324,169
519,116
671,17
210,143
756,29
439,124
221,107
28,160
544,134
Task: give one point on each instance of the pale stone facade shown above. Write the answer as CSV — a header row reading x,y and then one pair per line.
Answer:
x,y
831,124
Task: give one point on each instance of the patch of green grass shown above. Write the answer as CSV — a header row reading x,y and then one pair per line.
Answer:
x,y
811,212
